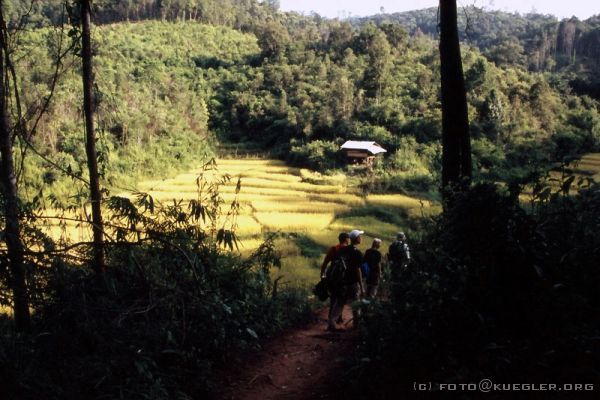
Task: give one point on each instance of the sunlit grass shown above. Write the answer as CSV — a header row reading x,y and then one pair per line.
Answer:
x,y
233,169
273,184
287,247
264,175
342,198
397,200
372,226
247,225
256,186
296,205
293,222
276,198
249,161
297,271
247,194
317,178
588,166
69,232
326,237
433,209
187,182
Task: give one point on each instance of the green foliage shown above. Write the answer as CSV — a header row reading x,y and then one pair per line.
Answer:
x,y
488,300
319,155
153,106
292,92
484,299
535,41
173,309
272,39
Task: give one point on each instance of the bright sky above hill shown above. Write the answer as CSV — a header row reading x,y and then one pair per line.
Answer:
x,y
582,9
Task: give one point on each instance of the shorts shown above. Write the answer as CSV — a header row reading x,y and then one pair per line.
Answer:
x,y
353,292
372,291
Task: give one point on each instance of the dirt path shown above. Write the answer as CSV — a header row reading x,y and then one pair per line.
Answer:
x,y
294,366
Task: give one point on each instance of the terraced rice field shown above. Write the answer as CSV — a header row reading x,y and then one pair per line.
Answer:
x,y
306,210
295,203
588,167
277,198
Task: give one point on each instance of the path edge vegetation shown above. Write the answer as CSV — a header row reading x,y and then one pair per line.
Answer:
x,y
171,274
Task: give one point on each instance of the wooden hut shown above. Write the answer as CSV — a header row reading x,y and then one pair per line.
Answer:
x,y
362,152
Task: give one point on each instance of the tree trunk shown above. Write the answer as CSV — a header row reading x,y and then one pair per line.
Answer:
x,y
8,179
456,156
90,134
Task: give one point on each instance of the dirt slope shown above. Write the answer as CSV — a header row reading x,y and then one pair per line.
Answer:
x,y
296,365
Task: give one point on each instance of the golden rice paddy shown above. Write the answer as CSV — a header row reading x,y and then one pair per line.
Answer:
x,y
277,198
294,221
292,202
587,167
396,200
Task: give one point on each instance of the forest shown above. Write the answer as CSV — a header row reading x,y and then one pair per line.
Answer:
x,y
204,129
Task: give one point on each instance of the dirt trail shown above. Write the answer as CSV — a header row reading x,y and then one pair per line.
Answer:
x,y
295,366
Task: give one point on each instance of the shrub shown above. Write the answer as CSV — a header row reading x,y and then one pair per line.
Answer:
x,y
319,155
172,310
510,300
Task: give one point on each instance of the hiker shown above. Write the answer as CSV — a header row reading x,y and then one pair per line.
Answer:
x,y
347,286
398,256
344,240
374,266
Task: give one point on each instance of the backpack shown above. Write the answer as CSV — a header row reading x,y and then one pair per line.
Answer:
x,y
335,275
365,270
320,290
398,252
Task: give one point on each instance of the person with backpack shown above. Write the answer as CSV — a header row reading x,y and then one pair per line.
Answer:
x,y
345,277
343,240
374,269
330,257
399,256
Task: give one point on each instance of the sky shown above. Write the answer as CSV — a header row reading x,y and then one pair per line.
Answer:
x,y
582,9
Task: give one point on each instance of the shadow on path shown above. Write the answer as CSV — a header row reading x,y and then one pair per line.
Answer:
x,y
297,365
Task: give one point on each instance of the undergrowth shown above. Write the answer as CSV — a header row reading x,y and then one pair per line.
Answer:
x,y
493,292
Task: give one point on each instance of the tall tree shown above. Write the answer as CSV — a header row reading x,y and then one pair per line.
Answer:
x,y
456,156
90,135
8,182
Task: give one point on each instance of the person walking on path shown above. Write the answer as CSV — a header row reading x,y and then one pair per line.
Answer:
x,y
398,256
375,268
344,240
334,296
351,287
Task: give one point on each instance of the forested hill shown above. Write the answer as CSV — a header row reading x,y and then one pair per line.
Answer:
x,y
296,85
535,41
502,285
155,86
233,13
164,88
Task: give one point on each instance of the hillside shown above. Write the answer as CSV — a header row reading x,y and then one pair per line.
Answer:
x,y
535,41
295,96
304,211
154,97
217,128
